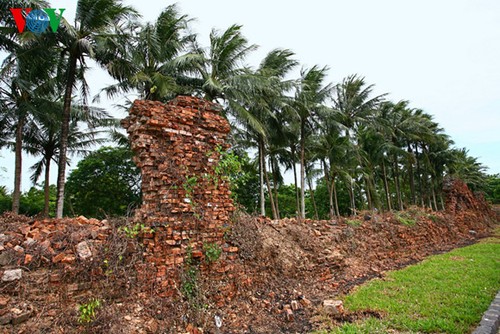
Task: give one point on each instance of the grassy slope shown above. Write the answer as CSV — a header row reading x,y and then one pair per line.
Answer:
x,y
447,293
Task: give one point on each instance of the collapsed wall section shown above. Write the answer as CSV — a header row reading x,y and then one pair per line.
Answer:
x,y
185,201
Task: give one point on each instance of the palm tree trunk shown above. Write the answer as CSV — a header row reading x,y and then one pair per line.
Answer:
x,y
270,192
275,186
61,173
386,186
351,198
261,177
46,187
412,177
434,198
294,167
334,188
368,194
16,195
271,195
311,191
266,177
419,179
329,188
396,179
302,169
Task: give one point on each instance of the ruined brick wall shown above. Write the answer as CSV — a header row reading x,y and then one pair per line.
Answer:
x,y
177,147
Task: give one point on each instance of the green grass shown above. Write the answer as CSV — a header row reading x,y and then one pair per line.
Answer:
x,y
447,293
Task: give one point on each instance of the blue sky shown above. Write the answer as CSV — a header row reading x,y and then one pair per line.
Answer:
x,y
442,56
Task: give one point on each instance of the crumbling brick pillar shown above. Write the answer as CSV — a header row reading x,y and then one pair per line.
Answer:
x,y
177,147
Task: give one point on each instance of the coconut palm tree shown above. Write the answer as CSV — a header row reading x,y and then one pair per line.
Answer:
x,y
355,105
147,61
23,83
468,169
44,134
97,24
310,96
262,112
9,38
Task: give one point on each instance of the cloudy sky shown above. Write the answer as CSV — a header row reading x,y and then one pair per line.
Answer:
x,y
443,56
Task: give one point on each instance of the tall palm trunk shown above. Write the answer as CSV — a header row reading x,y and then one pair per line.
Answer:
x,y
412,177
294,167
386,186
271,197
311,191
398,187
61,173
352,200
419,179
336,199
266,177
368,193
329,188
275,187
261,179
434,197
302,169
46,187
268,184
441,201
16,195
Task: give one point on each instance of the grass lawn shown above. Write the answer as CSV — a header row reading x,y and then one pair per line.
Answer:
x,y
446,293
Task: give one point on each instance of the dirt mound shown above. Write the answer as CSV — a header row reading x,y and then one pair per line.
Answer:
x,y
81,275
291,261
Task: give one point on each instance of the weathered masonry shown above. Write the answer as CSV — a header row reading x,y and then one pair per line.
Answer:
x,y
177,147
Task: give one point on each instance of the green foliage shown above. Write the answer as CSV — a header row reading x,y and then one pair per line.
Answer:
x,y
31,203
323,199
106,182
189,284
212,252
354,222
405,218
287,201
189,186
88,311
447,293
5,200
228,167
133,231
493,188
245,184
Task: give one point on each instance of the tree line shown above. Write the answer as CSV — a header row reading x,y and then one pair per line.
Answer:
x,y
338,139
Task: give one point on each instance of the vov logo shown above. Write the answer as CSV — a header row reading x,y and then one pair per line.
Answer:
x,y
37,20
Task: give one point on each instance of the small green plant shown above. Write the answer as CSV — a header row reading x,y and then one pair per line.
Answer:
x,y
135,230
405,219
228,164
227,232
189,186
354,222
189,285
212,252
227,167
88,311
434,218
107,270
